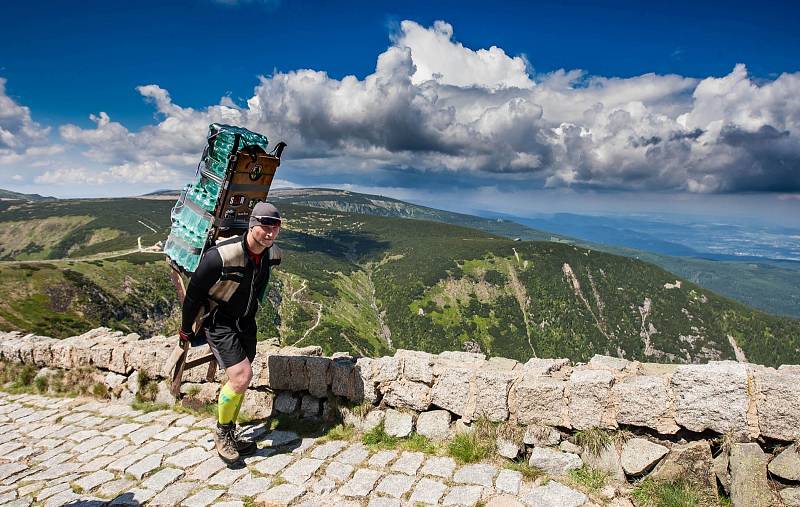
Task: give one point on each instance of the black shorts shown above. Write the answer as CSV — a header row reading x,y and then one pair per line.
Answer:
x,y
231,340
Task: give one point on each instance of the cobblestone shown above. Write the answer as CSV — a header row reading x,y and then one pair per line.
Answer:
x,y
382,458
134,497
428,492
408,463
273,464
249,486
439,467
207,468
463,495
508,481
480,474
93,455
162,479
173,495
395,485
361,484
339,472
328,449
145,465
302,470
89,482
353,455
189,457
283,494
203,497
227,476
114,488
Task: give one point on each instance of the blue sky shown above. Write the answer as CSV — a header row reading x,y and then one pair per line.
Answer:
x,y
586,104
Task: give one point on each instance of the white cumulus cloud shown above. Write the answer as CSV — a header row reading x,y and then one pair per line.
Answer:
x,y
434,108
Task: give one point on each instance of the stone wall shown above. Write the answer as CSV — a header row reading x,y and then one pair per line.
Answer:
x,y
672,413
723,397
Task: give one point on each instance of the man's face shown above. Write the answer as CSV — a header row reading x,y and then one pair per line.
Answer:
x,y
264,235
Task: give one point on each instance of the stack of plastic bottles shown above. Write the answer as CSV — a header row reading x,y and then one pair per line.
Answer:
x,y
193,214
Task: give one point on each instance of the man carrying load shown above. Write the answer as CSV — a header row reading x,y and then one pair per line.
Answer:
x,y
224,293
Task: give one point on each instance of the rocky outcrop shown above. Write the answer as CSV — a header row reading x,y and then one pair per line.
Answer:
x,y
712,396
786,465
639,454
692,462
554,462
749,484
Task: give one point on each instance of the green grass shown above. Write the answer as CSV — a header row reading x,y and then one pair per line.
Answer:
x,y
521,465
650,493
17,378
99,390
25,376
148,388
594,440
377,438
418,443
468,448
148,406
591,478
339,432
41,384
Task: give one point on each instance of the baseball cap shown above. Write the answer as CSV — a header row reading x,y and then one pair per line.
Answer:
x,y
265,213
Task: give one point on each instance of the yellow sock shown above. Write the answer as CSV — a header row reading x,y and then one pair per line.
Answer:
x,y
238,406
227,405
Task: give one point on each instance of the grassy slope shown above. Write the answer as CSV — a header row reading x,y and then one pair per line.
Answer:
x,y
115,223
347,278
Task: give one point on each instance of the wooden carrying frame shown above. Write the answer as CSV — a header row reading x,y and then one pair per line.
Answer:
x,y
242,187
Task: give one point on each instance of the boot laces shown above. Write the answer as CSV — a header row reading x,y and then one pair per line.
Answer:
x,y
230,437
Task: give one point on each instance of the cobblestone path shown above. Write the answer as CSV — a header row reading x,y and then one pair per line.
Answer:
x,y
84,452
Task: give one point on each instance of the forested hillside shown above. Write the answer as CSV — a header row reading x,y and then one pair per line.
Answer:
x,y
769,285
370,284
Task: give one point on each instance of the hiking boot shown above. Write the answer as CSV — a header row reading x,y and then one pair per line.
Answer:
x,y
225,442
244,446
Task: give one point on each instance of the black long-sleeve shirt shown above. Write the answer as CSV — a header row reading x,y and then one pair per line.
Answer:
x,y
228,277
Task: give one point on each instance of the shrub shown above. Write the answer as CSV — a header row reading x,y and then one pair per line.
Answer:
x,y
25,376
41,383
99,390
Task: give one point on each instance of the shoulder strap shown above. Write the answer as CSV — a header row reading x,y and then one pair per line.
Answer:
x,y
275,254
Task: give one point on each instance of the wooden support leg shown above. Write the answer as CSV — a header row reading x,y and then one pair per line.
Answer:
x,y
212,371
181,363
177,374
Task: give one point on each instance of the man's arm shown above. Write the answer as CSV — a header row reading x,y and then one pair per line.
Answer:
x,y
204,277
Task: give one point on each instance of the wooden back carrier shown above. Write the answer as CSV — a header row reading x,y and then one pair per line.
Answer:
x,y
242,187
